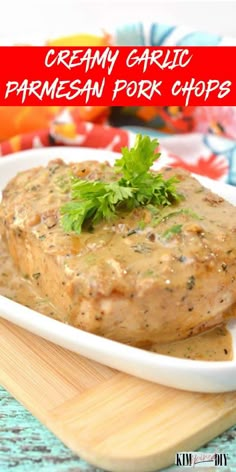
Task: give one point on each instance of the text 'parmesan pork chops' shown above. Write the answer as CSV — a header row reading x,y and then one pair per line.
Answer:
x,y
146,277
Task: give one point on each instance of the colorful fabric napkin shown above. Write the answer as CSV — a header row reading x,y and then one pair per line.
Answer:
x,y
201,139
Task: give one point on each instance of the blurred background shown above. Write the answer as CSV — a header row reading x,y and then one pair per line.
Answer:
x,y
50,18
203,138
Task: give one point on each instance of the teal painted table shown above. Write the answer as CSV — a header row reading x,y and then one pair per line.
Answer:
x,y
27,446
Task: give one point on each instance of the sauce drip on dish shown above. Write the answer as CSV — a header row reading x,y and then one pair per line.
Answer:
x,y
213,345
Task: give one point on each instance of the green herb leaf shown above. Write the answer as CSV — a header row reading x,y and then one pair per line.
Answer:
x,y
175,229
36,275
169,214
136,162
93,201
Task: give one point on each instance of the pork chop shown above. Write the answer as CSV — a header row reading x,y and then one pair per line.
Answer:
x,y
149,276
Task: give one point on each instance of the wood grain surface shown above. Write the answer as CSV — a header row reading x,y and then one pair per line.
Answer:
x,y
113,420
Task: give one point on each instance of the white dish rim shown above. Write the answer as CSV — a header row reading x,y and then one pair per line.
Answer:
x,y
153,364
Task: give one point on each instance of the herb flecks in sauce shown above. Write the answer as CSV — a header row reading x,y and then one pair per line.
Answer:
x,y
161,216
175,229
20,288
214,345
191,282
36,275
124,259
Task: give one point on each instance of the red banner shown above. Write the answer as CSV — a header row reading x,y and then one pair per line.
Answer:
x,y
118,76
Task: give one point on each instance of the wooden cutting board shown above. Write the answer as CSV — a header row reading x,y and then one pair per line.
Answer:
x,y
112,420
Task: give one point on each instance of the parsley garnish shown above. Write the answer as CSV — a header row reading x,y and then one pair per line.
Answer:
x,y
93,201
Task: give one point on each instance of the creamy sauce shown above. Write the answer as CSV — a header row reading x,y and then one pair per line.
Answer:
x,y
213,345
20,289
152,275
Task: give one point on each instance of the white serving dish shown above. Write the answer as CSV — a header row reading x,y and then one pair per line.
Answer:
x,y
201,376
